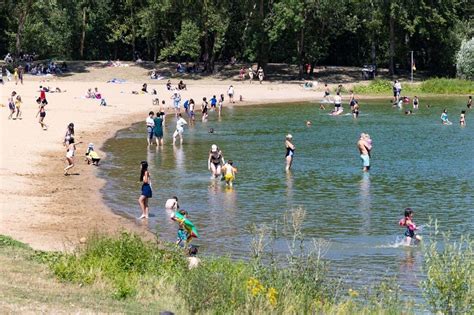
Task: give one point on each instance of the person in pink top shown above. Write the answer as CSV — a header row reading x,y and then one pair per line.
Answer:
x,y
411,227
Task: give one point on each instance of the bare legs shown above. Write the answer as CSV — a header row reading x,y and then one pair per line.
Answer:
x,y
143,202
289,162
215,170
71,165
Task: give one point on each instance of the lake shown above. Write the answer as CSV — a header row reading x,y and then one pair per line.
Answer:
x,y
416,162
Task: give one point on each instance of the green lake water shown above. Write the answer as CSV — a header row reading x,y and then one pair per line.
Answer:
x,y
416,162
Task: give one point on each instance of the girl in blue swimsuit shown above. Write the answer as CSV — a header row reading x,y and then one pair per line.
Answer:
x,y
146,190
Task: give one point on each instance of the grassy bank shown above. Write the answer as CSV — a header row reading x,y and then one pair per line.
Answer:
x,y
430,86
126,274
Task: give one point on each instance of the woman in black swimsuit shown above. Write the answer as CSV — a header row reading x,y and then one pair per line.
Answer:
x,y
215,161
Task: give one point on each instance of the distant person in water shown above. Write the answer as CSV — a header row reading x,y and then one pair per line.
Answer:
x,y
290,151
229,173
408,222
146,190
215,161
172,204
150,124
469,102
462,118
365,146
355,109
158,129
415,102
444,117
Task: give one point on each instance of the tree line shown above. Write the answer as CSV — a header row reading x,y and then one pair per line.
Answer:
x,y
302,32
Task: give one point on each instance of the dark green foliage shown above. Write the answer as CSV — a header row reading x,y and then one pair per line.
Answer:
x,y
349,32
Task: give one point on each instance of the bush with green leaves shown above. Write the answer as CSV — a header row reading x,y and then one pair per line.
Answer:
x,y
449,267
465,60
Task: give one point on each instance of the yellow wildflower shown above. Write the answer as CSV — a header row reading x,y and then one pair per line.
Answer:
x,y
353,293
255,287
272,295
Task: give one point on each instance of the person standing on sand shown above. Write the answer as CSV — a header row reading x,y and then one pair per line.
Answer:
x,y
42,114
150,124
69,136
230,92
20,74
365,146
11,105
15,75
71,151
146,192
290,151
260,75
18,104
250,75
180,123
242,74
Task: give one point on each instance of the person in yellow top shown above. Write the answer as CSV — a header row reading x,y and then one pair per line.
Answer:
x,y
229,173
92,156
15,75
18,106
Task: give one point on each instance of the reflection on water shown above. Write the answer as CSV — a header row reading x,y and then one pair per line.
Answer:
x,y
416,162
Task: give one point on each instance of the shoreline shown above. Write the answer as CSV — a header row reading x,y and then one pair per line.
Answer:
x,y
49,211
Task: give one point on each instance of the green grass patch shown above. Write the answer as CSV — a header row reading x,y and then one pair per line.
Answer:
x,y
7,241
431,86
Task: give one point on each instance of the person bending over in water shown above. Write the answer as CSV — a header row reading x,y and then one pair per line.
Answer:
x,y
229,173
469,102
444,117
172,204
365,146
411,227
290,151
146,190
215,161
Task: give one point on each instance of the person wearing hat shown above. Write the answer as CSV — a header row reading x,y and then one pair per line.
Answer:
x,y
215,161
290,151
92,156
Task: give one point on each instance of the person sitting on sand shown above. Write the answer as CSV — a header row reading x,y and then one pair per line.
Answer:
x,y
229,173
172,204
92,156
181,85
89,94
144,88
168,86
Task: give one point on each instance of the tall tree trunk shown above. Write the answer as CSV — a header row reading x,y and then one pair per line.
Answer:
x,y
263,46
392,43
301,48
132,18
24,11
83,34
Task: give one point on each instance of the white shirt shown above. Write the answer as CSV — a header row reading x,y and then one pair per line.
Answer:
x,y
337,99
230,91
150,122
180,123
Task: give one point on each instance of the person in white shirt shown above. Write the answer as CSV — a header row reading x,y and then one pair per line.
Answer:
x,y
230,92
150,124
180,123
172,204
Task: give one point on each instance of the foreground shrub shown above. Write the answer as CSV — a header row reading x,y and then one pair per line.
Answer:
x,y
465,60
449,284
374,87
124,262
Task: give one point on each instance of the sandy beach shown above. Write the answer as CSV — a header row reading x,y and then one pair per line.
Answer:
x,y
42,207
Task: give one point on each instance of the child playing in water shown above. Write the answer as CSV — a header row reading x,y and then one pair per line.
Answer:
x,y
411,227
462,118
182,235
229,173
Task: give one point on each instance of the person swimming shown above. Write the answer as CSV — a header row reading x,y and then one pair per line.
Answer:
x,y
408,222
